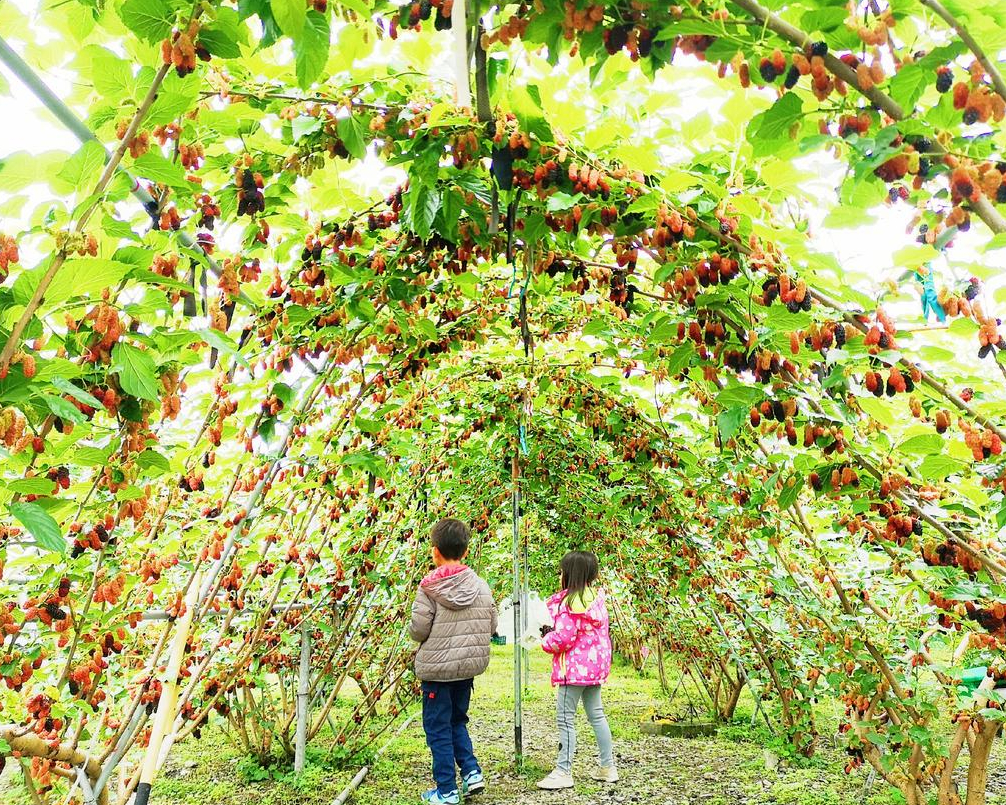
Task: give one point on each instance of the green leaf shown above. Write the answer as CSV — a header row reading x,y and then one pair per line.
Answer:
x,y
775,122
595,327
648,202
909,83
157,168
84,276
224,343
351,133
823,19
64,385
136,371
21,169
32,486
224,36
729,422
81,171
151,20
526,104
738,396
174,98
113,77
129,493
427,328
302,125
877,409
290,15
64,409
923,444
369,426
310,48
680,358
936,468
40,525
90,456
152,460
790,491
425,201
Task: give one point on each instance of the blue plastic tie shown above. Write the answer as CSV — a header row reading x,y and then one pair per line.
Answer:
x,y
523,439
930,301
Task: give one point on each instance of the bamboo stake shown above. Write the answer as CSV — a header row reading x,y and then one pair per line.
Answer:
x,y
169,696
303,694
347,792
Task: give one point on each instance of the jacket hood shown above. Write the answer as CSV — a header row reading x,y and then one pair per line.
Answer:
x,y
594,613
452,586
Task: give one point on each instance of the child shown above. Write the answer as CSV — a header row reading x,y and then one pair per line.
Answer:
x,y
581,661
453,617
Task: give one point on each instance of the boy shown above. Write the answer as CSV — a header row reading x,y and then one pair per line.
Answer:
x,y
453,617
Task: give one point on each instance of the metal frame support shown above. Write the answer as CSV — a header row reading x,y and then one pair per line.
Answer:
x,y
518,649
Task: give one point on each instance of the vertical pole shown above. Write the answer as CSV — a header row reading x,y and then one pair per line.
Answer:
x,y
303,691
518,649
459,27
525,607
169,696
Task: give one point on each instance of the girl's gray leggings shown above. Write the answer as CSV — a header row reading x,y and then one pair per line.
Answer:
x,y
568,700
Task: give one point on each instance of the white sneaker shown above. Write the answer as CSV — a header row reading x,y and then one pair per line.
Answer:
x,y
605,774
556,781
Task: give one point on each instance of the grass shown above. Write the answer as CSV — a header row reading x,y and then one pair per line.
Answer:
x,y
726,769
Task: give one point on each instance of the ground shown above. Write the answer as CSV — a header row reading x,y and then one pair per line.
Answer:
x,y
728,769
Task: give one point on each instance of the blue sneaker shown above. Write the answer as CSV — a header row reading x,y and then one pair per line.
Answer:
x,y
473,782
434,797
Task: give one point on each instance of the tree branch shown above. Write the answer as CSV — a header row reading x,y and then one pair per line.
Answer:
x,y
969,40
983,208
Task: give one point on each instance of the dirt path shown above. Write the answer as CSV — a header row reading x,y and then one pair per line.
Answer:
x,y
728,769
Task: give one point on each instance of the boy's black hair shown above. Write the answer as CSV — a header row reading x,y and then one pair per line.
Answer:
x,y
451,538
579,571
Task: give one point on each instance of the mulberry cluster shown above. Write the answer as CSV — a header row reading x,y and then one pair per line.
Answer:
x,y
251,199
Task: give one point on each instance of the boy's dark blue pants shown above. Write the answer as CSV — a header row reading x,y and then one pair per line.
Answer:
x,y
445,720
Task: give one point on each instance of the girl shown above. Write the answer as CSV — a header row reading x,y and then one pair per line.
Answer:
x,y
581,661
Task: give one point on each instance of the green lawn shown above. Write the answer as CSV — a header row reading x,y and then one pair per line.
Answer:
x,y
728,769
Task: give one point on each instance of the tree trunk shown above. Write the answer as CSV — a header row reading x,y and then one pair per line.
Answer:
x,y
727,711
978,770
661,669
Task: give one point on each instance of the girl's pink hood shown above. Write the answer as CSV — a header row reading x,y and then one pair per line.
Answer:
x,y
596,614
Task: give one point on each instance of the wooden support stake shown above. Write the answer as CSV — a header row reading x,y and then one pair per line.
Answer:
x,y
169,698
303,694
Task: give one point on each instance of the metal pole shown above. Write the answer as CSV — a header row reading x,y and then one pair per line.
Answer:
x,y
518,651
525,607
303,692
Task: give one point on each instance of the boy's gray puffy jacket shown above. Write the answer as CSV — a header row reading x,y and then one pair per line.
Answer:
x,y
453,617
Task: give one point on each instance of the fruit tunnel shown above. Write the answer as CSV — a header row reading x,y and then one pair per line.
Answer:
x,y
315,275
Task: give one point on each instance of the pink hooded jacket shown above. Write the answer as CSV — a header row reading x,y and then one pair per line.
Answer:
x,y
579,642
